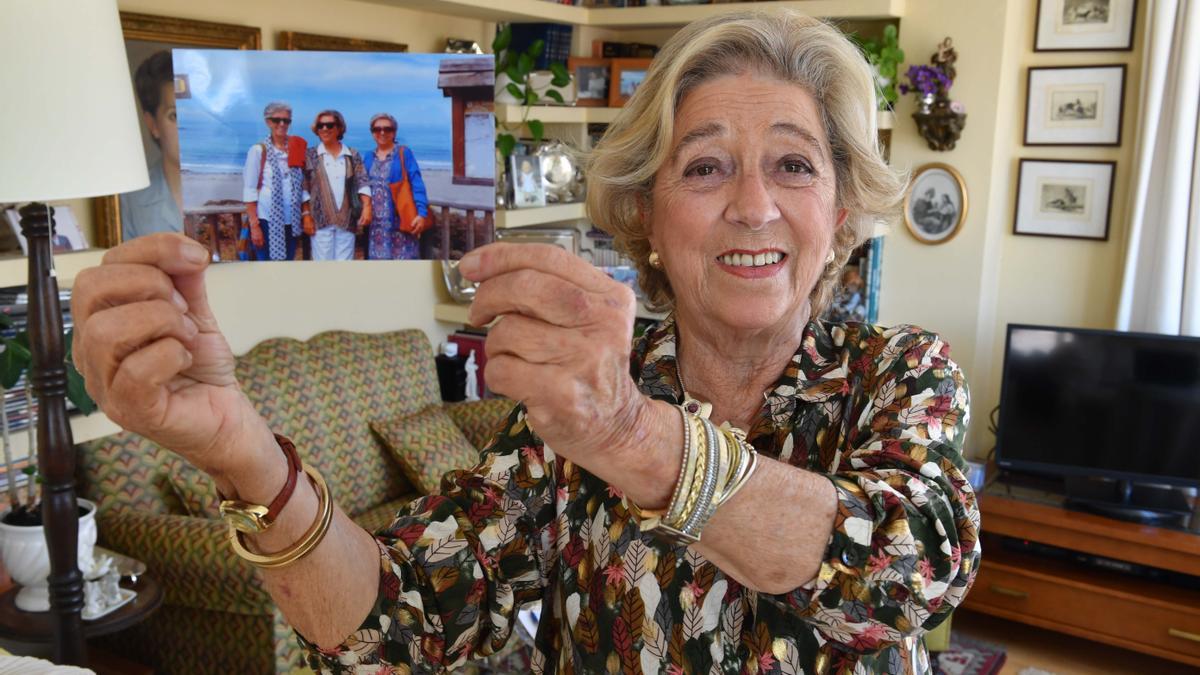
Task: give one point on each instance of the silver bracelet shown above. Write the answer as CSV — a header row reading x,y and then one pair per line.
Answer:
x,y
674,507
709,485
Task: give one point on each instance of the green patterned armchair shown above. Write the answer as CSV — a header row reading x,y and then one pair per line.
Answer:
x,y
321,393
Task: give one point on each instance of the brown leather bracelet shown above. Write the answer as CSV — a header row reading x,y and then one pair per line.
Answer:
x,y
252,518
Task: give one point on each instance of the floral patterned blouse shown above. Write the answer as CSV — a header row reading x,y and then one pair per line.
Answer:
x,y
880,412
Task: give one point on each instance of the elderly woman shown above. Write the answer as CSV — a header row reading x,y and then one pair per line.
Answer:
x,y
272,190
389,168
334,177
754,491
159,206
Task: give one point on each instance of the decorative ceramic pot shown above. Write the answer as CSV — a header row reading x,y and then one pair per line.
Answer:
x,y
26,557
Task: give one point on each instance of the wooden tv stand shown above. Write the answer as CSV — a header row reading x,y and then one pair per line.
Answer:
x,y
1139,614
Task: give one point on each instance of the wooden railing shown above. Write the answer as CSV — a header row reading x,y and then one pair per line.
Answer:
x,y
460,228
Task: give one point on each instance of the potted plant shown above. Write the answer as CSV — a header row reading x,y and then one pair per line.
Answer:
x,y
22,540
515,76
885,57
940,120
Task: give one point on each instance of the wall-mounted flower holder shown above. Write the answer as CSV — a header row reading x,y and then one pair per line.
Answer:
x,y
941,124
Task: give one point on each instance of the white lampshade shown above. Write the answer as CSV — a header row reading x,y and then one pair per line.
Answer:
x,y
68,122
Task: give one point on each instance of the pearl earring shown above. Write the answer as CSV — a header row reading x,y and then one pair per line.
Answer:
x,y
830,258
655,260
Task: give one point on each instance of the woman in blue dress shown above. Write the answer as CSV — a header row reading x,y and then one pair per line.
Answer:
x,y
385,239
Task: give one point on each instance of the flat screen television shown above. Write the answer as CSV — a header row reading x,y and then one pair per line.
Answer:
x,y
1100,404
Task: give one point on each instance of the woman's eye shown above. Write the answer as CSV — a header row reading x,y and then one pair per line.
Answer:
x,y
792,166
701,170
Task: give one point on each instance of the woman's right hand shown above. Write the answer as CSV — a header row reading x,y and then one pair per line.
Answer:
x,y
256,234
310,225
153,358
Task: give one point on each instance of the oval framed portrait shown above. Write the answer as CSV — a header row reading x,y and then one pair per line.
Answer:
x,y
935,206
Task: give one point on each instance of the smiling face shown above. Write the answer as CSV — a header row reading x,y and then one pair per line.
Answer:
x,y
744,210
327,129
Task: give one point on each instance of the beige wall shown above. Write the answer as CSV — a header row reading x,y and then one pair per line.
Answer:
x,y
970,288
256,301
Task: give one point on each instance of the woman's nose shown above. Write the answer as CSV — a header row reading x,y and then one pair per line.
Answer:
x,y
752,204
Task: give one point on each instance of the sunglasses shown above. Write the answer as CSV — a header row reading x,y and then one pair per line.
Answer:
x,y
383,130
279,120
327,125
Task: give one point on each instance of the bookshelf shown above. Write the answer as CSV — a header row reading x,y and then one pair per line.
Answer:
x,y
641,17
14,270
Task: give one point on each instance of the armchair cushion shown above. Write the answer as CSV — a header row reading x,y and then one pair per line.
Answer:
x,y
194,488
480,420
427,445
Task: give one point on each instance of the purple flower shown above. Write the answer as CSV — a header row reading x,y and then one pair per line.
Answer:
x,y
927,80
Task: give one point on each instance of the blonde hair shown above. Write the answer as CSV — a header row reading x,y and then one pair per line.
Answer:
x,y
778,43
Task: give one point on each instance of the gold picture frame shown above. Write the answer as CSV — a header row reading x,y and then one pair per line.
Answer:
x,y
936,215
172,31
293,41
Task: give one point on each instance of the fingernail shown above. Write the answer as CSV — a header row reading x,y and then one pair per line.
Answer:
x,y
195,253
469,263
178,301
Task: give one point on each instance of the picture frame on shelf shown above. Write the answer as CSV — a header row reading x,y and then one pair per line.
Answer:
x,y
1084,25
525,177
1075,105
627,75
1064,198
67,235
313,42
145,36
935,205
592,76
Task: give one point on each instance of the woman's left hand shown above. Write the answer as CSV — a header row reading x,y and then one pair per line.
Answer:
x,y
365,218
561,345
418,226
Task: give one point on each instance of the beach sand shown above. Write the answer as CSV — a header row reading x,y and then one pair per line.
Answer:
x,y
202,190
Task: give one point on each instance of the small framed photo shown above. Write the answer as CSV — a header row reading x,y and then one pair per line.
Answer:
x,y
591,80
1075,105
525,176
935,206
1060,198
1084,25
67,236
627,76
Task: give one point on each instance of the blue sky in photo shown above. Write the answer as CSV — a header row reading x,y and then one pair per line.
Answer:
x,y
229,89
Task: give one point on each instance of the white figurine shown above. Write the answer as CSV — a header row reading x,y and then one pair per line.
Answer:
x,y
472,378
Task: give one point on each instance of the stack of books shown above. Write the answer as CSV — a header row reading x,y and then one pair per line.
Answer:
x,y
14,303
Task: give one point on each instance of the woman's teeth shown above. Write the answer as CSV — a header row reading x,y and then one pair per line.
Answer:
x,y
747,260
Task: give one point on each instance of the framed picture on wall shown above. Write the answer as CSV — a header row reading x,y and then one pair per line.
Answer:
x,y
148,43
627,76
935,206
1075,105
1084,25
591,80
312,42
1062,198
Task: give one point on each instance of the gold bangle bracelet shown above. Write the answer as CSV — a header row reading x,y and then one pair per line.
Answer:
x,y
310,540
691,493
695,450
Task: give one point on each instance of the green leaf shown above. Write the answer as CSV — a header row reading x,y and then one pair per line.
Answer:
x,y
890,34
536,128
553,93
515,91
14,360
506,143
29,470
503,39
524,65
535,50
5,321
77,392
531,96
560,71
512,73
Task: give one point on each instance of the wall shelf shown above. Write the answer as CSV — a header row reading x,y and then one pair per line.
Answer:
x,y
641,17
83,428
558,114
14,270
453,312
555,213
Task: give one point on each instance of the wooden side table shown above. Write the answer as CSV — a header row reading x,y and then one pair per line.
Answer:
x,y
38,626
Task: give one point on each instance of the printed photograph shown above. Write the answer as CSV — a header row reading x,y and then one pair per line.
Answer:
x,y
1064,198
67,236
593,82
335,155
936,203
1060,199
525,172
1074,106
630,81
1085,12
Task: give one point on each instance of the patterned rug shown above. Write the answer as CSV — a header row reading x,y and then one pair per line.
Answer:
x,y
967,656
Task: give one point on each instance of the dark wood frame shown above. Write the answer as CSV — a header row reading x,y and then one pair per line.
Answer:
x,y
106,211
1037,16
575,62
962,189
615,100
312,42
1108,208
1120,105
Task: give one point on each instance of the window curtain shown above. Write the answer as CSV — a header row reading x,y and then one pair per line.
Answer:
x,y
1160,291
